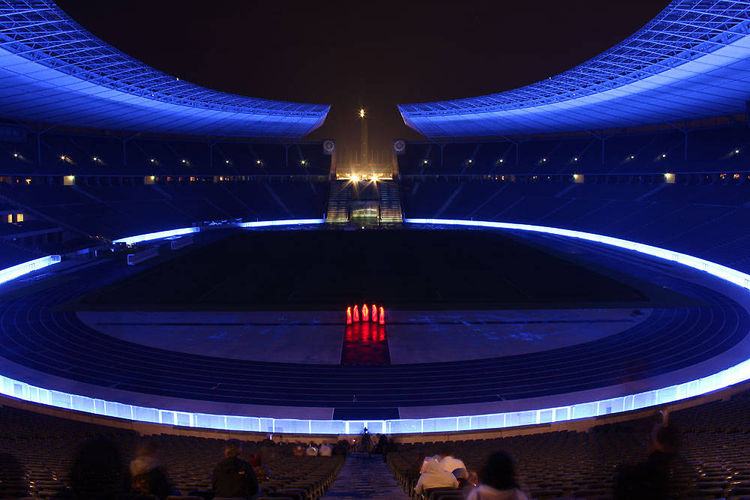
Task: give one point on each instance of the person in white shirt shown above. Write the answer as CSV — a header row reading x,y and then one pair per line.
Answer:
x,y
453,465
325,450
427,460
435,477
311,451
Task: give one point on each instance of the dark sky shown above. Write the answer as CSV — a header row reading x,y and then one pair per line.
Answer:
x,y
352,53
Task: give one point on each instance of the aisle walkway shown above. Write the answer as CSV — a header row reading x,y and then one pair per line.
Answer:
x,y
363,477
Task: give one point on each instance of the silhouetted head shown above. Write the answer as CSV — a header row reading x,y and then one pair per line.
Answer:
x,y
98,471
665,438
233,448
147,448
499,472
13,483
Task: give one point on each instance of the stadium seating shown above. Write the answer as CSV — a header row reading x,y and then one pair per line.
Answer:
x,y
701,220
563,464
45,447
558,464
712,149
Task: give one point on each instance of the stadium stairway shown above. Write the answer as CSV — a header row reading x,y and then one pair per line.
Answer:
x,y
365,477
390,203
338,203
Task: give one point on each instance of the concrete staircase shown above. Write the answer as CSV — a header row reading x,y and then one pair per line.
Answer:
x,y
338,203
390,203
342,194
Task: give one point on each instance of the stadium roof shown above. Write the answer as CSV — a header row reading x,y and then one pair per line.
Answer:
x,y
54,71
691,61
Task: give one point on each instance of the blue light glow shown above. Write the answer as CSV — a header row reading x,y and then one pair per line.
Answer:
x,y
685,63
14,272
57,72
132,240
289,222
724,378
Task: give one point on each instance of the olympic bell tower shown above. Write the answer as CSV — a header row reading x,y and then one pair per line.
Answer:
x,y
364,154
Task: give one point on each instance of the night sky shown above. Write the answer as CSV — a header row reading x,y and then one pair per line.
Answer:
x,y
356,53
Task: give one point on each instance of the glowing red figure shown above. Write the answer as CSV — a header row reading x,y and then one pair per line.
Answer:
x,y
349,315
356,314
381,320
365,313
374,313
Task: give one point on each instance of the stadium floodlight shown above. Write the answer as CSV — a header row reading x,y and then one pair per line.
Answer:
x,y
362,112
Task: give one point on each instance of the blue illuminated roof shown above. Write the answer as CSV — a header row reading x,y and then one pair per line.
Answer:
x,y
690,61
54,71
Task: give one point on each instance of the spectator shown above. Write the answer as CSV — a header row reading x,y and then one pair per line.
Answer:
x,y
262,473
454,465
311,450
98,472
13,482
426,462
498,480
435,476
651,479
147,475
325,450
381,444
233,477
298,450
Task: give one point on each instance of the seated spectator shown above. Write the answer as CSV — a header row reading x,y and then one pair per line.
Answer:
x,y
147,475
651,479
454,465
311,450
298,450
426,462
233,477
498,480
325,450
434,476
13,483
262,473
98,472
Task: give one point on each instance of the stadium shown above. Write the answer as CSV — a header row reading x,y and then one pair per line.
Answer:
x,y
546,271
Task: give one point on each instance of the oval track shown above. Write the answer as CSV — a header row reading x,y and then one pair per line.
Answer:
x,y
58,343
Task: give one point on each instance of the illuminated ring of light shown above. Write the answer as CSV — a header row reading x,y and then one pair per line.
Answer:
x,y
724,378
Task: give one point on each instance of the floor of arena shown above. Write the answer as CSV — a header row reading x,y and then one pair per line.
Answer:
x,y
294,364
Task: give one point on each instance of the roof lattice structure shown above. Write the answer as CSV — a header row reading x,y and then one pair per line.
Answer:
x,y
699,41
39,44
